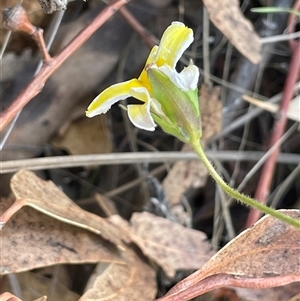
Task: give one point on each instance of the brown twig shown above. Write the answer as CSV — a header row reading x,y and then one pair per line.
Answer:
x,y
37,83
137,26
267,172
15,19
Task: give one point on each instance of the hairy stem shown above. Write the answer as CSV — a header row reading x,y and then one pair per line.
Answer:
x,y
237,195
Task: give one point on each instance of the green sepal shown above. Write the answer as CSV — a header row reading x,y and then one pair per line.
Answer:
x,y
180,107
170,129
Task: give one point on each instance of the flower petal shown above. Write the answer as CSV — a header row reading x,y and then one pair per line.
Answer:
x,y
150,60
102,103
186,80
175,40
140,116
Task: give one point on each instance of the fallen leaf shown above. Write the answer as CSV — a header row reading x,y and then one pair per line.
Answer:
x,y
226,15
186,175
293,112
134,281
31,240
265,255
85,136
211,112
170,245
45,197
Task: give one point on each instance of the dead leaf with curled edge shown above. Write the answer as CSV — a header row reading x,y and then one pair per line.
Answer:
x,y
45,197
186,175
227,16
32,240
266,255
170,245
134,281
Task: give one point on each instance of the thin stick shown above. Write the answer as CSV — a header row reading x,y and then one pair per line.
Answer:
x,y
37,83
148,38
265,180
130,158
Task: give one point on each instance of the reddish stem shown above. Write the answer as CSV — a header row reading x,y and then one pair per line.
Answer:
x,y
137,26
39,39
38,82
265,180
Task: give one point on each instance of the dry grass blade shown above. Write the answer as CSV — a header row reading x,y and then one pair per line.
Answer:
x,y
266,255
293,111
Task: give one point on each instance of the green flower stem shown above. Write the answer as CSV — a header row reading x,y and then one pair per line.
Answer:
x,y
237,195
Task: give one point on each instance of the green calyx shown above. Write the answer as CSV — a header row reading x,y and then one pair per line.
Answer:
x,y
181,108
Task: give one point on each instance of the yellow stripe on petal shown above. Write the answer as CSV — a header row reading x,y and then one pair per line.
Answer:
x,y
102,103
175,40
150,60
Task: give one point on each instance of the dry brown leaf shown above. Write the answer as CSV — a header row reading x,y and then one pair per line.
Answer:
x,y
32,285
265,255
85,136
183,176
31,239
134,281
193,174
228,18
45,197
170,245
211,112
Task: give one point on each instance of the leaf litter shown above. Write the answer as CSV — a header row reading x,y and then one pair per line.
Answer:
x,y
64,212
255,258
